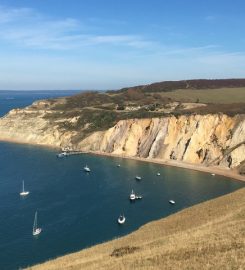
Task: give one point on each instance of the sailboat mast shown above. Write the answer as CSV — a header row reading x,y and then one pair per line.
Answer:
x,y
23,186
35,223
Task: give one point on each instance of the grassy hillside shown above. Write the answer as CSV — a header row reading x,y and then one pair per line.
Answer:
x,y
210,235
167,86
93,111
220,96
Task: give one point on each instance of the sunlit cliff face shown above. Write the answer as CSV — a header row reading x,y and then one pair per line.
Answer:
x,y
201,139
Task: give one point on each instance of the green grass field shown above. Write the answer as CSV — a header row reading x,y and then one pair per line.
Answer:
x,y
222,95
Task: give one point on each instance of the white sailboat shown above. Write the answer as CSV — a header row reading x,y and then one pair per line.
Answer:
x,y
23,192
132,196
36,230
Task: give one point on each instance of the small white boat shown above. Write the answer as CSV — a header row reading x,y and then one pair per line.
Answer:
x,y
86,169
23,192
138,197
118,165
132,196
121,219
213,174
171,201
36,230
158,174
138,177
62,154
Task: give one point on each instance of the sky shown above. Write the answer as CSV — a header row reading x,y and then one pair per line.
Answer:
x,y
109,44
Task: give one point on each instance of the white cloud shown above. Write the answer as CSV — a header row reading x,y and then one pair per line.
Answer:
x,y
101,60
189,50
14,14
25,27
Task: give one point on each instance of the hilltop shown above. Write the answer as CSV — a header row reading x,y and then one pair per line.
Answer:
x,y
101,110
167,86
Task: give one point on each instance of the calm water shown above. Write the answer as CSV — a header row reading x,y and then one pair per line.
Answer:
x,y
77,210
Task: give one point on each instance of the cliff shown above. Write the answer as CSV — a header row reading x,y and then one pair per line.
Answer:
x,y
211,139
200,139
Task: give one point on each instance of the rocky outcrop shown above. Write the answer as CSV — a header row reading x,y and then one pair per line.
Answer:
x,y
200,139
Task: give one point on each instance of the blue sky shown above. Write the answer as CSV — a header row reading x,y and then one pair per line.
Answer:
x,y
108,44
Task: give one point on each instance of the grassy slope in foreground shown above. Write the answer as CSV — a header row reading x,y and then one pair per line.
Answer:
x,y
210,235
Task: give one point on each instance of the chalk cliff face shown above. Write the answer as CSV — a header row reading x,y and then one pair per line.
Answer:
x,y
201,139
26,126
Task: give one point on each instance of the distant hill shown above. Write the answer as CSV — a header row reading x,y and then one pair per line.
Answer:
x,y
167,86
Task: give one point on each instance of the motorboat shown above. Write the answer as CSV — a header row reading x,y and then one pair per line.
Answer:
x,y
62,154
171,201
158,174
138,177
86,169
121,219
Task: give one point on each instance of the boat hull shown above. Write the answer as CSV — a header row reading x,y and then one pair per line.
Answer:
x,y
37,232
25,193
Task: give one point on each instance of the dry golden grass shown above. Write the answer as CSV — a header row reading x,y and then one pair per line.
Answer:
x,y
210,235
222,95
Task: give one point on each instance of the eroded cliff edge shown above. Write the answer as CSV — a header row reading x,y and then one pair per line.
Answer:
x,y
211,139
199,139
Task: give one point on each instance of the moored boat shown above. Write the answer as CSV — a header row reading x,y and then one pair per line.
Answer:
x,y
121,219
23,192
62,154
132,196
86,169
36,230
171,201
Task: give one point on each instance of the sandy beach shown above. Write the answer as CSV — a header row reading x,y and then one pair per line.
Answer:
x,y
197,167
212,170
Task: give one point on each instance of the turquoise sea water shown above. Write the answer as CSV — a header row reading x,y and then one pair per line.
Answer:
x,y
76,209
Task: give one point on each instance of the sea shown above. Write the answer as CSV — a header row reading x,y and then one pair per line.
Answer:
x,y
76,209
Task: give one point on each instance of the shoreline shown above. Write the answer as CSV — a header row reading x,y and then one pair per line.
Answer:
x,y
173,163
179,164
